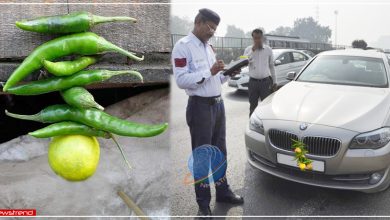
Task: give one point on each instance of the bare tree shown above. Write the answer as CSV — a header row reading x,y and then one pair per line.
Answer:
x,y
233,31
281,30
180,25
311,30
306,28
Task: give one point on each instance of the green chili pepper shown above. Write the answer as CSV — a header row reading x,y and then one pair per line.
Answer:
x,y
80,98
68,128
82,43
70,23
93,118
61,83
66,68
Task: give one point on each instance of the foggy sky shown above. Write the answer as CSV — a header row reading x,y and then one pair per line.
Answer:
x,y
368,20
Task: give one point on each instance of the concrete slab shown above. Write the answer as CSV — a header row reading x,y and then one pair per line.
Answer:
x,y
27,181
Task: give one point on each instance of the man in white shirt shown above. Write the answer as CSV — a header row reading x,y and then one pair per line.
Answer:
x,y
261,70
197,71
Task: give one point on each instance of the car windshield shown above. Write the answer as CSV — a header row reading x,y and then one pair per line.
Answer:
x,y
276,53
388,58
346,70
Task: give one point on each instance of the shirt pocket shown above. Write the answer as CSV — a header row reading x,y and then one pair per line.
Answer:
x,y
200,64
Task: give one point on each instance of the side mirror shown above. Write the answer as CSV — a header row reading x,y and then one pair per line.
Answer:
x,y
278,62
291,75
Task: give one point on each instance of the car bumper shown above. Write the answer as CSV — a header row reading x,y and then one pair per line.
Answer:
x,y
232,83
349,169
239,83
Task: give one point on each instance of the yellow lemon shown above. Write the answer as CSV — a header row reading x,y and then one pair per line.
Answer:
x,y
74,157
298,150
302,166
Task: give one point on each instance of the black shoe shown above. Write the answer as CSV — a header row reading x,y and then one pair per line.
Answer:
x,y
204,212
230,197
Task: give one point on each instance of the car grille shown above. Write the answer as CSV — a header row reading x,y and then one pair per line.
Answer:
x,y
282,139
245,84
319,146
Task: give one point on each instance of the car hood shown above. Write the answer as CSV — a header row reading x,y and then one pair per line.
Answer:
x,y
350,107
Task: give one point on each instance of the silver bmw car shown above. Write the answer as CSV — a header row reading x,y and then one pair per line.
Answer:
x,y
338,105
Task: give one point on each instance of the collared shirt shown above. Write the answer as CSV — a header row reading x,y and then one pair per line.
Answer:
x,y
261,62
192,60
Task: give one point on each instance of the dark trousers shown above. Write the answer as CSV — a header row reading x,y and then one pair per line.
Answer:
x,y
207,123
258,88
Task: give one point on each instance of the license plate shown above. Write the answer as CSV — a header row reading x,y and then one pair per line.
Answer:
x,y
290,161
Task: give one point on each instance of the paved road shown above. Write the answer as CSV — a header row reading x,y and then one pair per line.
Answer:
x,y
264,194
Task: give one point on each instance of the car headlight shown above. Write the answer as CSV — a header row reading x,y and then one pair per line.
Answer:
x,y
372,140
256,124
